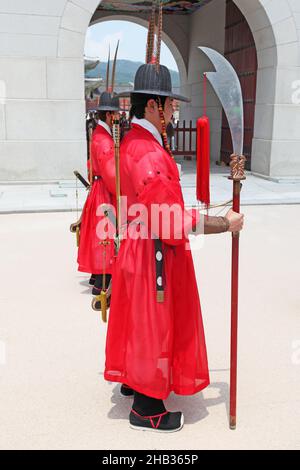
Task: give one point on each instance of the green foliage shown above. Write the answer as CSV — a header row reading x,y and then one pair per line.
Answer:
x,y
126,70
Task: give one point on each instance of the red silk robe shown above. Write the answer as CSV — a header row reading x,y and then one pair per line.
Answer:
x,y
93,257
155,348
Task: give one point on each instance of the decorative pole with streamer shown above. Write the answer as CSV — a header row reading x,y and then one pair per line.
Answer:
x,y
227,86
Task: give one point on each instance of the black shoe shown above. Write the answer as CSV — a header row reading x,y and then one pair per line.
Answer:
x,y
126,391
92,279
164,422
96,290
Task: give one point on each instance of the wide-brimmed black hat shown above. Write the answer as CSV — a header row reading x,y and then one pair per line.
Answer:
x,y
108,102
151,79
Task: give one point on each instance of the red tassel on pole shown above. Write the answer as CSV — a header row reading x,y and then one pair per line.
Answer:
x,y
203,160
203,153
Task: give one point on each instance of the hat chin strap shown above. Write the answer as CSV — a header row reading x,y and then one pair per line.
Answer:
x,y
164,129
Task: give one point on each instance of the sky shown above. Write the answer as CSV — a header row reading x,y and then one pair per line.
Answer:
x,y
132,37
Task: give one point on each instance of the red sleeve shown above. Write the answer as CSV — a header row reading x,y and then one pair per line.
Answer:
x,y
160,192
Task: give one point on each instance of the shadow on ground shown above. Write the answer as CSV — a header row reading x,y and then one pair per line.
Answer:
x,y
195,408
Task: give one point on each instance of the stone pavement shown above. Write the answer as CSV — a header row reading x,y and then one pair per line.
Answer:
x,y
61,196
53,395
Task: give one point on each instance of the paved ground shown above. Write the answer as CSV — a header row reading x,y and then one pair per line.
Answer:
x,y
61,196
53,395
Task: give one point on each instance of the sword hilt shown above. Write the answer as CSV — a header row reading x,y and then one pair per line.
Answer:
x,y
82,180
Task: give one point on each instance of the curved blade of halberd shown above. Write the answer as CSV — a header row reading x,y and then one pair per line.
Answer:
x,y
228,88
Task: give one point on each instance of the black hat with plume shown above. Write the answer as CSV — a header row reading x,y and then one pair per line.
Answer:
x,y
108,99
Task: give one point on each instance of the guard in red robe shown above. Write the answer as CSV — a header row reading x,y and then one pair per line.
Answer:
x,y
93,256
155,341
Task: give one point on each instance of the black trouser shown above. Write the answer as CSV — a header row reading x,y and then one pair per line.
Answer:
x,y
147,406
99,281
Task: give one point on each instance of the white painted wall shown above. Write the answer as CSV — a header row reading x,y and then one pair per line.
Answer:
x,y
276,30
42,133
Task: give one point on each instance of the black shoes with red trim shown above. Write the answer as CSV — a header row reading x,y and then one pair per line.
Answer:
x,y
164,422
126,391
96,290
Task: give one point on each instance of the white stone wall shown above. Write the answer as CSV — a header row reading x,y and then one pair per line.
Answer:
x,y
276,28
42,133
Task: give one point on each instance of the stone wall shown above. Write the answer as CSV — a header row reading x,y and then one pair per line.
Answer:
x,y
275,25
42,132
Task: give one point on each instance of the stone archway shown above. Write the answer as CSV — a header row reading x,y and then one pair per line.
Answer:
x,y
277,41
167,40
263,18
48,48
74,25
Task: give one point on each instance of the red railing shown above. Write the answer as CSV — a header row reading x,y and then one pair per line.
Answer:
x,y
185,140
184,143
